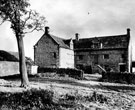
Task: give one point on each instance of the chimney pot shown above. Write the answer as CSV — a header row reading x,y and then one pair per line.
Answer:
x,y
46,30
77,37
128,31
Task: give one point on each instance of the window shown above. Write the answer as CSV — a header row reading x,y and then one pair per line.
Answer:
x,y
54,55
95,45
123,56
122,67
96,59
80,57
106,56
79,66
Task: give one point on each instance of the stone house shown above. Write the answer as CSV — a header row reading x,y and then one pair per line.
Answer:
x,y
53,52
109,52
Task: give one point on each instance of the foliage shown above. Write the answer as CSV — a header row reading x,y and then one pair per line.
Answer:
x,y
75,100
119,77
45,100
97,98
22,19
75,73
28,100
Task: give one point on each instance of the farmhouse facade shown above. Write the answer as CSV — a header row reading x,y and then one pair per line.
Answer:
x,y
89,54
54,52
109,52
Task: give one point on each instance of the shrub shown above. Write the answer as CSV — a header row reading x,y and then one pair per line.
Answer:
x,y
119,77
75,73
44,70
28,100
97,98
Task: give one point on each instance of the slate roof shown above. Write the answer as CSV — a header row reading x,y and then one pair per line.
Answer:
x,y
103,42
65,43
61,42
7,56
12,56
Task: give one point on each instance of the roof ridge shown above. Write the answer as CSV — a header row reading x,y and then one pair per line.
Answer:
x,y
60,37
120,35
59,41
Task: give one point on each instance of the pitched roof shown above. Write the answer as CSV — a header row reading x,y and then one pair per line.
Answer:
x,y
103,42
12,56
7,56
60,41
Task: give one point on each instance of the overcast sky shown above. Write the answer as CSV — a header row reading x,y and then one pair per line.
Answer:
x,y
89,18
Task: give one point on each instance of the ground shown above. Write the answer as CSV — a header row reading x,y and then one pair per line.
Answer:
x,y
117,96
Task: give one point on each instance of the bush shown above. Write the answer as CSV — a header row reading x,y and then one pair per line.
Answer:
x,y
28,100
44,70
97,98
119,77
75,73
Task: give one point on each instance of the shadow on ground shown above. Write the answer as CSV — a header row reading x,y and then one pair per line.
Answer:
x,y
119,87
102,85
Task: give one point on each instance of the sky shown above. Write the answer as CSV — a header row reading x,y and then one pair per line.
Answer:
x,y
89,18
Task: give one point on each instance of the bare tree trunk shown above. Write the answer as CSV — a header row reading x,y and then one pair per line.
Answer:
x,y
22,64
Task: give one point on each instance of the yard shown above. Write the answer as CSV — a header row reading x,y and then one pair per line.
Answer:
x,y
73,94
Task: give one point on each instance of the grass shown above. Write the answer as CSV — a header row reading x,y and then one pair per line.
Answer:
x,y
51,99
44,100
29,100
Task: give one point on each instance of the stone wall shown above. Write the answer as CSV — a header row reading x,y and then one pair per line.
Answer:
x,y
46,52
8,68
94,58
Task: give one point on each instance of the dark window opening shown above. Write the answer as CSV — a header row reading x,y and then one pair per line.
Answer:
x,y
133,64
54,55
79,66
123,56
80,57
95,59
106,56
122,68
95,45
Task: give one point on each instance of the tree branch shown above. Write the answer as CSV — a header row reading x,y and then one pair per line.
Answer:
x,y
29,16
35,28
4,21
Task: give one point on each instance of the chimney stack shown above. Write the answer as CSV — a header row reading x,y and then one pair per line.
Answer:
x,y
46,30
77,37
128,31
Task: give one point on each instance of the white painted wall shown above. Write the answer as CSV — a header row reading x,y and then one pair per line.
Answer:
x,y
133,69
8,68
130,56
34,69
66,58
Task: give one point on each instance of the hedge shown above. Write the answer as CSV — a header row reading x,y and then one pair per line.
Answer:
x,y
75,73
119,77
